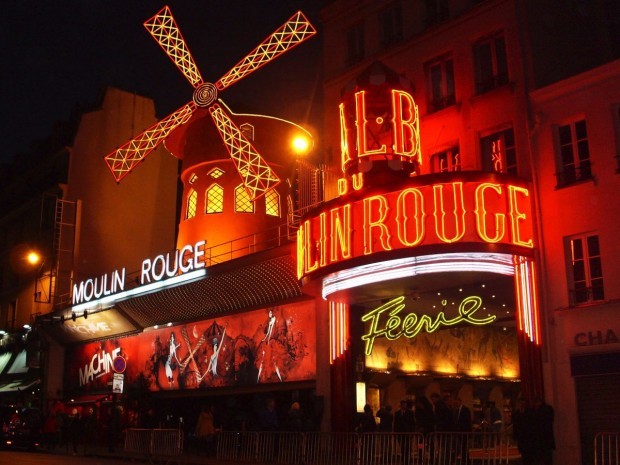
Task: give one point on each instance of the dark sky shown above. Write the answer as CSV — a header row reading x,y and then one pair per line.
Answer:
x,y
57,54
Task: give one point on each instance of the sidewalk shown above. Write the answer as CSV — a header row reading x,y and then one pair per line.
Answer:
x,y
101,455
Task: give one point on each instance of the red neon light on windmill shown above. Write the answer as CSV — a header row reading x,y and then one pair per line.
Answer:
x,y
258,178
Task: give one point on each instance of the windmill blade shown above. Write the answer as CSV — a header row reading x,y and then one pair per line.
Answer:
x,y
258,178
292,33
124,159
165,31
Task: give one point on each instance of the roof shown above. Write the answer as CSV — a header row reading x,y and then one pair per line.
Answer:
x,y
252,281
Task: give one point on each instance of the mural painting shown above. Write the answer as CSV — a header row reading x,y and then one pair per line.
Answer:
x,y
271,345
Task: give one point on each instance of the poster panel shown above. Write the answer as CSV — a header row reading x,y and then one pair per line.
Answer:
x,y
271,345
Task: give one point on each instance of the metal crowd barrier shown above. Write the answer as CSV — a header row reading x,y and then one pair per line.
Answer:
x,y
316,448
607,449
154,443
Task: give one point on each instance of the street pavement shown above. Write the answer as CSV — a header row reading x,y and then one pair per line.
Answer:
x,y
18,457
44,458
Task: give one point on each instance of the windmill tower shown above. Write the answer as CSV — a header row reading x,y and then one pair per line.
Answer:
x,y
229,189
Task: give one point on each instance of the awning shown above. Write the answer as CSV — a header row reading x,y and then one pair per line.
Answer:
x,y
19,365
19,385
4,360
90,399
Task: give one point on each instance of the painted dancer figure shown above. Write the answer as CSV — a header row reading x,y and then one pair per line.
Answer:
x,y
271,322
212,367
172,354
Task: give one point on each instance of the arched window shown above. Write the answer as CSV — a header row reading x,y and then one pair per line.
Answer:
x,y
272,203
242,200
192,200
214,202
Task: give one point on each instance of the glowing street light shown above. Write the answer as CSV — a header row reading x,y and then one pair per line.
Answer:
x,y
300,144
33,258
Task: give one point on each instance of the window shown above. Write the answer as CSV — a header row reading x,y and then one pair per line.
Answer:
x,y
243,203
215,199
355,44
491,67
192,200
446,160
272,203
440,79
193,178
436,11
216,173
391,25
498,152
585,269
247,130
574,153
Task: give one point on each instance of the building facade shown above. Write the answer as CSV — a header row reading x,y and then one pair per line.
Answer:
x,y
456,238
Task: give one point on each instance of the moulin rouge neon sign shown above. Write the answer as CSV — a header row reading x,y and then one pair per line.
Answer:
x,y
382,124
394,326
402,140
442,213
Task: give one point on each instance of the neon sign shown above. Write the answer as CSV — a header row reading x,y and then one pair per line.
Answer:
x,y
411,325
373,138
164,266
414,216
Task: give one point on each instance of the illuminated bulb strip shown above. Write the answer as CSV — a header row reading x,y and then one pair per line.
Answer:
x,y
527,304
292,33
125,158
413,266
110,300
165,31
258,178
338,325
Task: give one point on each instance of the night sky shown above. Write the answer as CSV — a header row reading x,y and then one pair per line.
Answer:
x,y
57,54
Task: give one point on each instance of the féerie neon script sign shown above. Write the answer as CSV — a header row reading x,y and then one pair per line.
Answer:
x,y
411,325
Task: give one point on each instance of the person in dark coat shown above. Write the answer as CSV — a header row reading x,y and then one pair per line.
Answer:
x,y
524,433
404,423
462,424
424,416
367,423
443,416
386,419
462,416
543,426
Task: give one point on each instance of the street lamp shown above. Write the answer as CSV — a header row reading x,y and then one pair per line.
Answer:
x,y
34,258
300,144
37,261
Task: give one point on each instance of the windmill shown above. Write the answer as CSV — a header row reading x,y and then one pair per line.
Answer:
x,y
258,178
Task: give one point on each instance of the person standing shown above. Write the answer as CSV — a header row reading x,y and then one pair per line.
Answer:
x,y
462,416
386,419
295,421
523,431
443,415
404,425
205,430
543,425
462,423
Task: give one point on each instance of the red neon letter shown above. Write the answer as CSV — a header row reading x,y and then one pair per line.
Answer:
x,y
345,156
481,214
406,124
310,261
340,240
416,209
516,217
362,147
458,212
369,223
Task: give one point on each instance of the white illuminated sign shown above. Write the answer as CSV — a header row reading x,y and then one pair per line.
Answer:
x,y
164,270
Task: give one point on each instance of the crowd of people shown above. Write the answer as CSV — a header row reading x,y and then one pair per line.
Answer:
x,y
531,424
